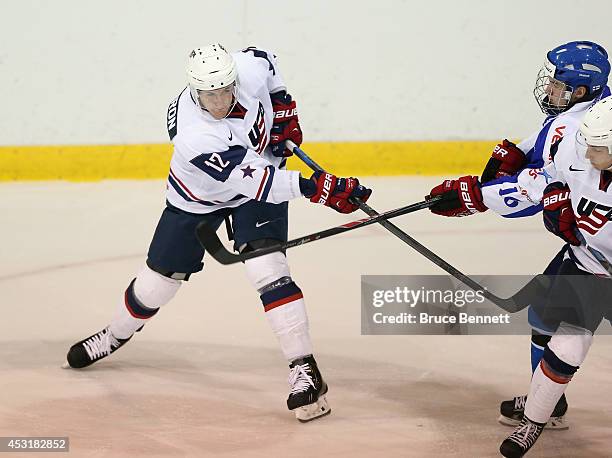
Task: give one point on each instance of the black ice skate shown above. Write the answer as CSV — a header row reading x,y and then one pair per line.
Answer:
x,y
512,411
93,348
522,439
307,396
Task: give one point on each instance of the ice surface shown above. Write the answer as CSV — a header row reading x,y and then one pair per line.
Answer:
x,y
206,378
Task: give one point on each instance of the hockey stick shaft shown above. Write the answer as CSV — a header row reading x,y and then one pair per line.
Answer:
x,y
511,304
212,244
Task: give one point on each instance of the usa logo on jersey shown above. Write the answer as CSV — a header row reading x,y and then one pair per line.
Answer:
x,y
257,134
592,216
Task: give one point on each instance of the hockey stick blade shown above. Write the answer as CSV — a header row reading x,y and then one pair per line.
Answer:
x,y
211,243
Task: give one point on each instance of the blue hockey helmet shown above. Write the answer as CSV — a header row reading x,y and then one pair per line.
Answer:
x,y
574,64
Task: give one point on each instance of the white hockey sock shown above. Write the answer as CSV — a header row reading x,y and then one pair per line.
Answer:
x,y
544,393
283,303
289,322
123,325
562,357
141,301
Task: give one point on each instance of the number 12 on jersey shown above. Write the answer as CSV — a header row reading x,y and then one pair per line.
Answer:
x,y
216,162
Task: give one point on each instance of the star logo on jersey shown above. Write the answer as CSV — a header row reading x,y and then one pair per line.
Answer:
x,y
546,175
247,171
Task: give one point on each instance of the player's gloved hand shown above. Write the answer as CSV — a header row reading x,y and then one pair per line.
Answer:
x,y
286,125
460,197
331,191
558,215
506,160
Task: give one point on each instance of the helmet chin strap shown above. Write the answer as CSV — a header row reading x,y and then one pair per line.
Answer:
x,y
232,105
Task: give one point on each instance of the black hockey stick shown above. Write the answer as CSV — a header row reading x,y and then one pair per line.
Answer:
x,y
536,288
211,243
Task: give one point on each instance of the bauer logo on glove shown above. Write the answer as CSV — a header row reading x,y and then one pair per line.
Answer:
x,y
286,124
460,197
282,114
552,199
337,193
558,215
327,185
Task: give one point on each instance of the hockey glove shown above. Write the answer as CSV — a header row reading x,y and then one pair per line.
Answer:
x,y
460,197
506,160
331,191
558,215
286,125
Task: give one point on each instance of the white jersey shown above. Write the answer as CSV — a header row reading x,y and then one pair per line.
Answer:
x,y
502,195
225,163
591,197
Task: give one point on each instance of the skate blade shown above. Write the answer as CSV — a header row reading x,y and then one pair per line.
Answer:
x,y
555,423
506,421
313,411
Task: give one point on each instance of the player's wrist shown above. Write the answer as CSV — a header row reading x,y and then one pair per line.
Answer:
x,y
308,187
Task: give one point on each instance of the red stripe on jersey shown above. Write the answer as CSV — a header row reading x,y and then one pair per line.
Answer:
x,y
185,188
262,144
592,223
286,300
261,185
586,228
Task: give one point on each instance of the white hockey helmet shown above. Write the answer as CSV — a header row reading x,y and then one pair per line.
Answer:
x,y
208,68
596,126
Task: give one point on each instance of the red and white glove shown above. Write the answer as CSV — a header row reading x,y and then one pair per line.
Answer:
x,y
506,160
335,192
558,215
286,125
460,197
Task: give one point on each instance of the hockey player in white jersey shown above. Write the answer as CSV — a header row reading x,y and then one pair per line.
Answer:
x,y
573,77
229,128
577,206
